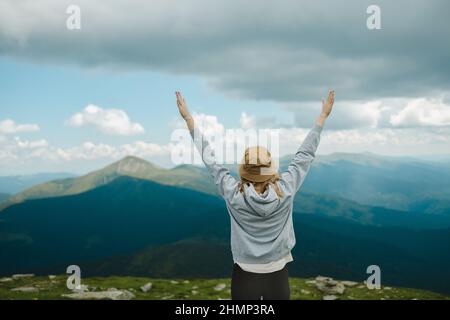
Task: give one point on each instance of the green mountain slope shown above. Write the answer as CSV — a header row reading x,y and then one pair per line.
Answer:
x,y
188,176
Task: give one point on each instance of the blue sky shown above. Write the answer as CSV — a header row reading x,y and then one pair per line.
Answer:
x,y
235,69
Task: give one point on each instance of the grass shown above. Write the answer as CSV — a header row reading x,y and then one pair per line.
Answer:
x,y
194,289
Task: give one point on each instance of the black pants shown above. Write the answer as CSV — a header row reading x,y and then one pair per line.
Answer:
x,y
260,286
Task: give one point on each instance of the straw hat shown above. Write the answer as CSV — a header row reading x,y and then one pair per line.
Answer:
x,y
257,165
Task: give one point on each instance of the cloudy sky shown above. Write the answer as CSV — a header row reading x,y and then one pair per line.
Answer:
x,y
72,100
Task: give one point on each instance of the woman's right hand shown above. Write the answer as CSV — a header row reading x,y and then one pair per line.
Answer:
x,y
327,105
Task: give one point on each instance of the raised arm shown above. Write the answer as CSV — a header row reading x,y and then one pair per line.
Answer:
x,y
226,183
299,167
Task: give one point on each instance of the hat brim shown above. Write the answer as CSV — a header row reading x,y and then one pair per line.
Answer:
x,y
257,177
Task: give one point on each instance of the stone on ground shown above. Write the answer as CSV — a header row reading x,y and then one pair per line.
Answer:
x,y
22,275
26,289
146,287
220,287
101,295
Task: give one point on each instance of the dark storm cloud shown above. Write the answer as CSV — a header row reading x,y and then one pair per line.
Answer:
x,y
269,50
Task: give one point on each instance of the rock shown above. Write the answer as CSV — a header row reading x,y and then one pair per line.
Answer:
x,y
311,282
146,287
6,279
194,292
220,287
101,295
349,283
195,287
51,277
303,291
81,288
329,297
26,289
173,282
387,288
186,281
329,286
24,275
320,278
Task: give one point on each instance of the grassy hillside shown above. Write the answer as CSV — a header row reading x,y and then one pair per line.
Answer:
x,y
193,289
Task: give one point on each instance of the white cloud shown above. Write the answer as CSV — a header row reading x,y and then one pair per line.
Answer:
x,y
25,144
93,151
16,151
109,121
9,126
247,121
209,124
422,112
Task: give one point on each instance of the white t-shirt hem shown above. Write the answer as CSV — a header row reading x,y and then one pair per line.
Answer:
x,y
266,267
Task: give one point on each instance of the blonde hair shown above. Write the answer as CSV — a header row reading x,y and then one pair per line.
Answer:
x,y
263,185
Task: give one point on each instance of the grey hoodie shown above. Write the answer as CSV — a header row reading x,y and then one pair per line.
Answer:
x,y
261,224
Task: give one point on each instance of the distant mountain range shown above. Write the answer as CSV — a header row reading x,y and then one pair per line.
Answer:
x,y
187,176
15,184
135,218
400,184
397,183
4,196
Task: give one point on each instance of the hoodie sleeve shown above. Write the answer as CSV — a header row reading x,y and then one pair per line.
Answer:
x,y
224,181
299,167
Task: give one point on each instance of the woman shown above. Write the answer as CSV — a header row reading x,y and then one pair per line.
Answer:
x,y
260,209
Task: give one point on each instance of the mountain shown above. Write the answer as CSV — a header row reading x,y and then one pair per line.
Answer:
x,y
15,184
124,215
4,196
133,226
405,184
331,202
130,166
332,206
